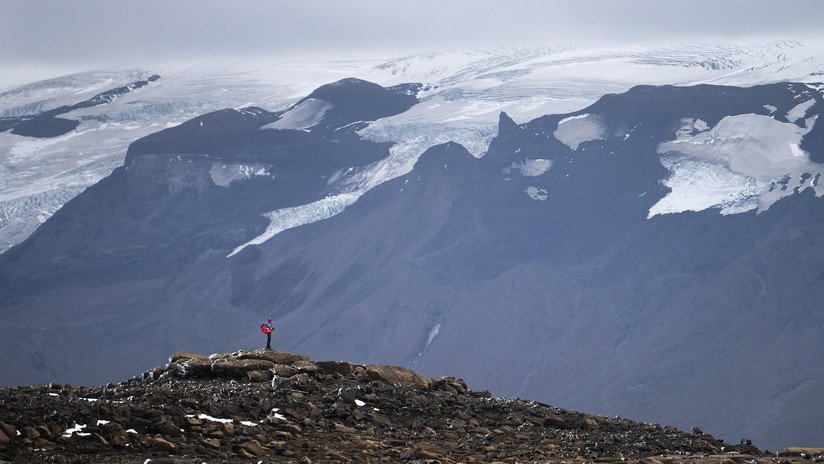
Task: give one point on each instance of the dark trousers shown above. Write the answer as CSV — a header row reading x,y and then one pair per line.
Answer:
x,y
269,341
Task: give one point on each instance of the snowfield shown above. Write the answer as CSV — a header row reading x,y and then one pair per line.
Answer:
x,y
302,116
736,166
575,130
465,92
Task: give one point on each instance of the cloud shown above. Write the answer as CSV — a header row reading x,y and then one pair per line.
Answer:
x,y
93,33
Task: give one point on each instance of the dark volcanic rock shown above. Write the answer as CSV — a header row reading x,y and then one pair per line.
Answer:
x,y
351,413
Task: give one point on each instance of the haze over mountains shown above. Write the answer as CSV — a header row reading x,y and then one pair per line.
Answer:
x,y
646,251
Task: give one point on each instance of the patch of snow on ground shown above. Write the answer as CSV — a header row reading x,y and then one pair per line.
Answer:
x,y
302,116
210,418
277,415
530,167
537,193
360,403
77,429
575,130
799,110
736,166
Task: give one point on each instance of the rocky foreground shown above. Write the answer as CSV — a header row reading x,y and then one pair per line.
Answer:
x,y
266,406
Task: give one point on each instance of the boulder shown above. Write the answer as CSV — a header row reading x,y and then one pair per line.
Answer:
x,y
342,368
303,365
199,369
162,443
798,451
590,423
115,434
97,438
43,432
285,370
555,421
260,376
9,430
396,375
297,381
183,356
251,449
275,357
29,432
238,368
212,443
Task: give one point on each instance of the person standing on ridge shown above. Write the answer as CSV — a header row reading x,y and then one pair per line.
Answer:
x,y
268,327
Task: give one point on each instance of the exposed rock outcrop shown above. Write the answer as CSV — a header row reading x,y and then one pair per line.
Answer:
x,y
267,406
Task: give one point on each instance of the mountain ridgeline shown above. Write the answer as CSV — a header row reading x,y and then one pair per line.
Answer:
x,y
576,263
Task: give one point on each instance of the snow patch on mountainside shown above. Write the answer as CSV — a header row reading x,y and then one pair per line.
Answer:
x,y
537,193
288,218
746,162
575,130
530,167
302,116
800,110
698,185
223,174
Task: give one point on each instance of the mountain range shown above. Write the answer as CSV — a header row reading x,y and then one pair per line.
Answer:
x,y
655,254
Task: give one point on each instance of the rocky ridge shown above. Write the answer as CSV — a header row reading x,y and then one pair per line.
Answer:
x,y
267,406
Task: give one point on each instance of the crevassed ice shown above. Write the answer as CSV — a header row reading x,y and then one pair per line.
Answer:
x,y
288,218
746,162
575,130
696,185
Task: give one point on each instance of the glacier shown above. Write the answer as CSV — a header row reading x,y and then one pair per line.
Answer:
x,y
575,130
302,116
288,218
463,94
738,165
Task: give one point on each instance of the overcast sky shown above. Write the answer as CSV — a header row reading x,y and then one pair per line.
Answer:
x,y
38,37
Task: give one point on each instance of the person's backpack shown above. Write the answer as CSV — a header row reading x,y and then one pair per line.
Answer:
x,y
265,329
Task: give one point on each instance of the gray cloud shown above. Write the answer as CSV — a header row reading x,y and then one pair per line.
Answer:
x,y
82,33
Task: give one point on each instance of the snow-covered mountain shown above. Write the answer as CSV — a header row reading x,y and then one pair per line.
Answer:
x,y
465,91
653,252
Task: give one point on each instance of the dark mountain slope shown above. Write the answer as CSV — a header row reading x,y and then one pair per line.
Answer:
x,y
679,317
533,271
107,269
